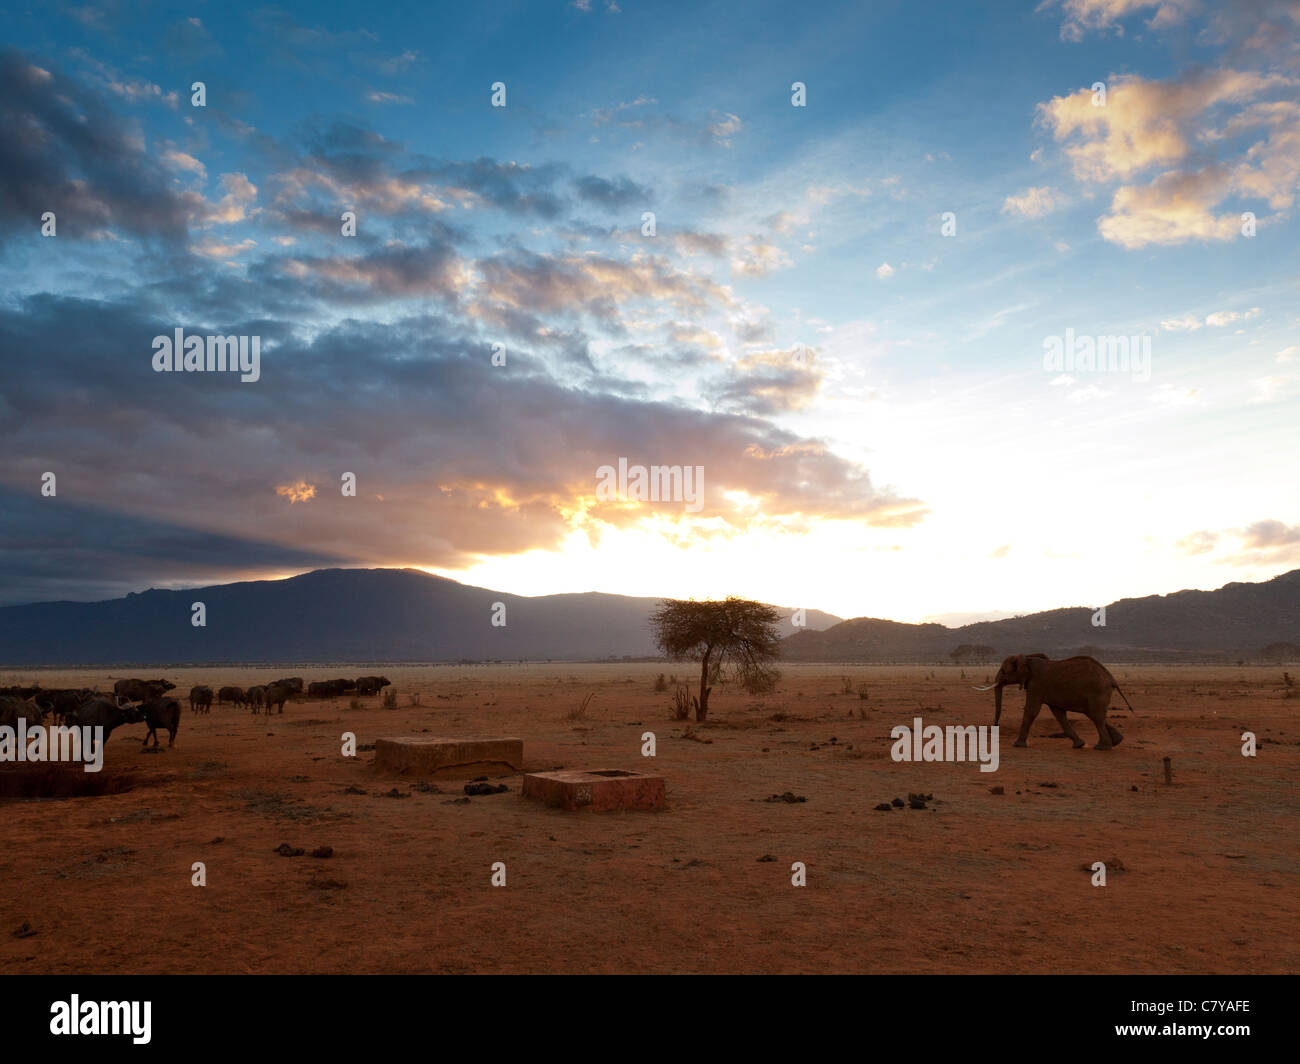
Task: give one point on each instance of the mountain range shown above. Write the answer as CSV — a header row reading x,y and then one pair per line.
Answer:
x,y
406,615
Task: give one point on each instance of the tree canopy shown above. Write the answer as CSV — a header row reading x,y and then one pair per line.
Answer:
x,y
730,638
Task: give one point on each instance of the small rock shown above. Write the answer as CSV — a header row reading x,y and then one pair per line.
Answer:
x,y
1049,785
997,790
394,793
885,807
766,858
26,931
352,789
898,803
913,802
323,851
285,850
789,797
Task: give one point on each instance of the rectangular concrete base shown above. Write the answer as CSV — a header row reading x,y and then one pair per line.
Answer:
x,y
598,791
408,754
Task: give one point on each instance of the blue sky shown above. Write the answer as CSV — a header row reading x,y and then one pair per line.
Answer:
x,y
866,395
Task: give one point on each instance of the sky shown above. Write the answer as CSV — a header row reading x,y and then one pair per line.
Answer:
x,y
825,256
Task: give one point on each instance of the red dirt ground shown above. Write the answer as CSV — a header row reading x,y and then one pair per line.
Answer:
x,y
977,882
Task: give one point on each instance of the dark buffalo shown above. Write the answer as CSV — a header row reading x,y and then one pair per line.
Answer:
x,y
135,690
330,688
103,713
21,693
231,694
161,713
276,695
255,696
372,685
13,709
201,699
294,683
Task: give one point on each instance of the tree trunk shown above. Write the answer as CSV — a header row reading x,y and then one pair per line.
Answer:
x,y
702,708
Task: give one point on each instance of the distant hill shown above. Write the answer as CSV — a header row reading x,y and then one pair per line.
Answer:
x,y
333,615
1238,621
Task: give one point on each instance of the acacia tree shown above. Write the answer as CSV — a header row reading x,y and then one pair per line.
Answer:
x,y
736,638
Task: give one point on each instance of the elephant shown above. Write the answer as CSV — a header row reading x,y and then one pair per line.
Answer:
x,y
1081,684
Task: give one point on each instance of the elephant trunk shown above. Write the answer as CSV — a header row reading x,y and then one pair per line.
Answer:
x,y
997,702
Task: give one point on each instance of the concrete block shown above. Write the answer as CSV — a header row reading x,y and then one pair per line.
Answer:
x,y
597,790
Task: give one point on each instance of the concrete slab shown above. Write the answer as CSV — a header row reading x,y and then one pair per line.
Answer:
x,y
412,754
599,791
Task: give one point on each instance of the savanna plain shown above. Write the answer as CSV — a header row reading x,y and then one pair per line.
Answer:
x,y
1202,872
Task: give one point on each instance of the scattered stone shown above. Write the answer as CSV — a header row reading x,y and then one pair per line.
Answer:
x,y
365,748
323,851
485,788
767,857
353,789
1133,788
394,793
457,801
425,787
1049,785
898,803
789,798
320,882
26,931
885,807
285,850
915,801
219,838
997,790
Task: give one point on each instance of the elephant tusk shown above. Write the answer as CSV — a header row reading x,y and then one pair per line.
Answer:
x,y
986,687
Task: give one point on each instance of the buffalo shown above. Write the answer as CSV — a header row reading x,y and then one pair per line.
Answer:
x,y
201,699
276,695
103,713
372,685
294,683
231,694
13,709
135,690
255,696
161,713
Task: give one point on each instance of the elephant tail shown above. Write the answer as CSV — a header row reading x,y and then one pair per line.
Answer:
x,y
1125,697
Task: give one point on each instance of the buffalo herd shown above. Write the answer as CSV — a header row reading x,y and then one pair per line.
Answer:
x,y
136,701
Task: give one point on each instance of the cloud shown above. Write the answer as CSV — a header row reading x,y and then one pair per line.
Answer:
x,y
1168,127
62,149
300,491
1033,202
758,258
885,271
1268,542
1083,16
471,459
377,96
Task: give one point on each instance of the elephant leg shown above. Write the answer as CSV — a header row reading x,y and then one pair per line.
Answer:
x,y
1067,727
1032,706
1115,736
1098,717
